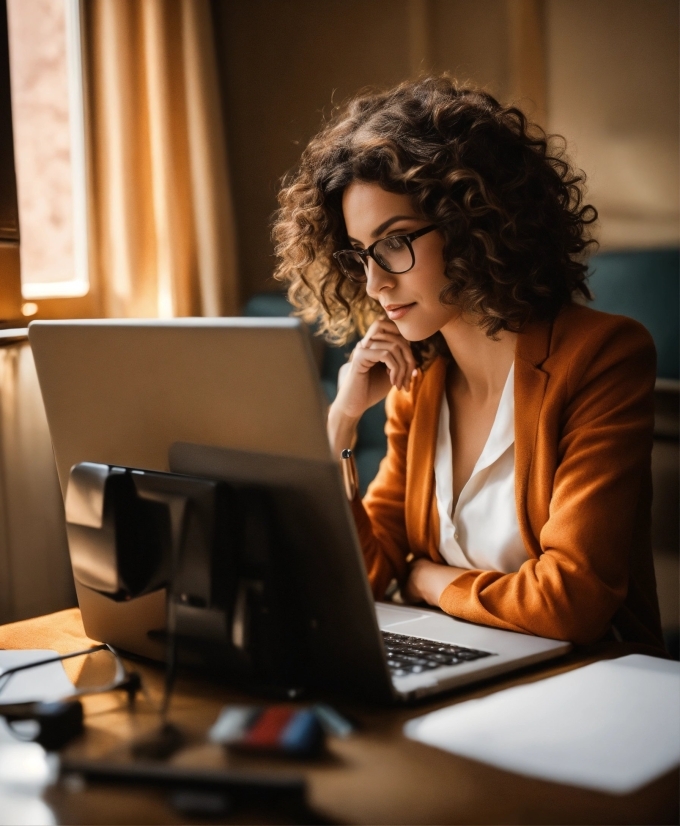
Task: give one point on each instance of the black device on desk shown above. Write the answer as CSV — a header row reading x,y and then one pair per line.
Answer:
x,y
209,546
254,568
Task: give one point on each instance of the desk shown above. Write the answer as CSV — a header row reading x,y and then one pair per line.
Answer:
x,y
374,776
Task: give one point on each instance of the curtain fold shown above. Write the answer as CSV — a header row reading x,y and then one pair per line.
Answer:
x,y
163,224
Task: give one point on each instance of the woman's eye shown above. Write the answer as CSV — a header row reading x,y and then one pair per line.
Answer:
x,y
394,243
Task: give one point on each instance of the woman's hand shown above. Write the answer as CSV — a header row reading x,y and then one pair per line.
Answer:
x,y
427,581
382,359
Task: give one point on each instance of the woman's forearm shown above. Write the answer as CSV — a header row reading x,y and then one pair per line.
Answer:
x,y
342,430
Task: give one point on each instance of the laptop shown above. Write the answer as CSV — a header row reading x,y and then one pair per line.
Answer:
x,y
239,400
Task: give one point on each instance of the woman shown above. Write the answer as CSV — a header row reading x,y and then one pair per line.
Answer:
x,y
516,490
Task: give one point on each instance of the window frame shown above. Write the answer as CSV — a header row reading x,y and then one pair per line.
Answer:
x,y
22,306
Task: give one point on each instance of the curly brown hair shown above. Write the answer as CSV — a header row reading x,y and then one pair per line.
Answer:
x,y
508,202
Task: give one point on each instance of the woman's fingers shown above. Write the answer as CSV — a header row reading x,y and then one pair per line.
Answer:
x,y
361,383
402,350
383,336
380,330
367,357
383,324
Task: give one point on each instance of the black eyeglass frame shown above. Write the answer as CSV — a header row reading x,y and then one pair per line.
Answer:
x,y
408,237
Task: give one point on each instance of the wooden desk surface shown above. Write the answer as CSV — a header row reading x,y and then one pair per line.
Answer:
x,y
374,776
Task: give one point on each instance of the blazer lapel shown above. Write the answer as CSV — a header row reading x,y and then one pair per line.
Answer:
x,y
530,385
420,460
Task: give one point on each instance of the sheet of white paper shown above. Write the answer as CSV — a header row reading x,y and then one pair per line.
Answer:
x,y
613,726
43,683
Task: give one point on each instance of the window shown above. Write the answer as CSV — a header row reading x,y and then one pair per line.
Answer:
x,y
49,145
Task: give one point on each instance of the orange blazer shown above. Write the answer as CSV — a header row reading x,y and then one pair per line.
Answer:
x,y
584,417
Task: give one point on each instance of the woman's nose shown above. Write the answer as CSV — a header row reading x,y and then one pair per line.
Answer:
x,y
377,279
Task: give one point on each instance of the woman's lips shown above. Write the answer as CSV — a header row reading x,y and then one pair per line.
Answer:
x,y
395,311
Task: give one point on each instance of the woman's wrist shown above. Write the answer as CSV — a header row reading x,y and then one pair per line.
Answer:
x,y
342,430
428,580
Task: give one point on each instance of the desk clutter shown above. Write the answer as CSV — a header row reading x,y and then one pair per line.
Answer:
x,y
375,776
281,730
40,715
27,769
612,726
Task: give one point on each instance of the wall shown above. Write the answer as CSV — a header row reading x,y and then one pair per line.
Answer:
x,y
283,64
613,91
470,40
606,70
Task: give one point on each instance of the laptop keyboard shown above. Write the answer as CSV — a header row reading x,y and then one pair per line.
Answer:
x,y
414,655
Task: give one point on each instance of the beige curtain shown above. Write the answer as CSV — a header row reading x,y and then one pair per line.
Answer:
x,y
162,225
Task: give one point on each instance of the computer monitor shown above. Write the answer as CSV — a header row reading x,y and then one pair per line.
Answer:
x,y
136,393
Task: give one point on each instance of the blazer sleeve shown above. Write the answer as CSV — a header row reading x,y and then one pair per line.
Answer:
x,y
580,578
380,517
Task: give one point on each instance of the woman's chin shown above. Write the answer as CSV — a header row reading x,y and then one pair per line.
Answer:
x,y
415,332
419,324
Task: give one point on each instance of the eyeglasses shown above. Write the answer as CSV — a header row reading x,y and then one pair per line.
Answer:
x,y
393,254
52,724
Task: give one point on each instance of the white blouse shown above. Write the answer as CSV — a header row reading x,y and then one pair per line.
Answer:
x,y
483,532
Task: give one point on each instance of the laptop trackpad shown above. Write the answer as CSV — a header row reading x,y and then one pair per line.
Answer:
x,y
391,616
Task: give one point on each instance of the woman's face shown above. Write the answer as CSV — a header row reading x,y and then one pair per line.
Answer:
x,y
411,299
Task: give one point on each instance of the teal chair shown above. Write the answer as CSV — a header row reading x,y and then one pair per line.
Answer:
x,y
645,285
371,440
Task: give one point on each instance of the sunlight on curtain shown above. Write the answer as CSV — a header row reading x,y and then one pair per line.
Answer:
x,y
165,237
